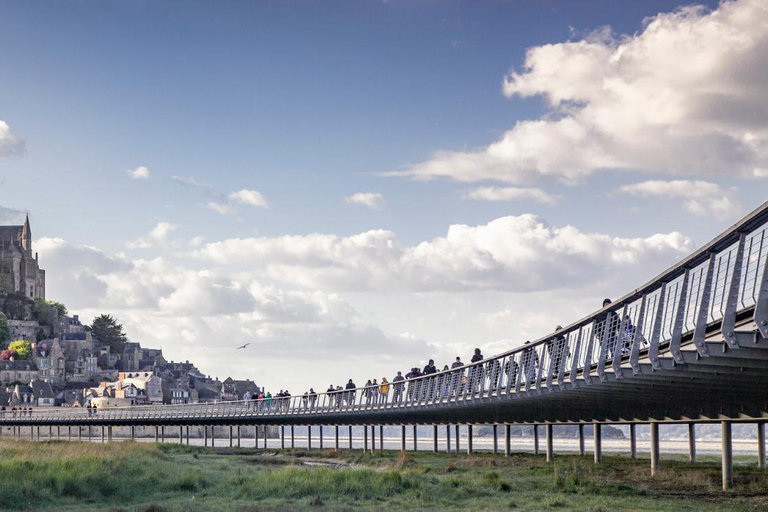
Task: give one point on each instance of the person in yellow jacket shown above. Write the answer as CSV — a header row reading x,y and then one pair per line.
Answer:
x,y
383,390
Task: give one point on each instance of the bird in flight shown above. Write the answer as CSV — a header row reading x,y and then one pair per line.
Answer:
x,y
238,348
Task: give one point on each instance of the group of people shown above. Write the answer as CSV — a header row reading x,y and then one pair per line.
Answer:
x,y
17,412
92,410
454,380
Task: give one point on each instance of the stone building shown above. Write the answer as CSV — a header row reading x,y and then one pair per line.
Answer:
x,y
20,272
13,371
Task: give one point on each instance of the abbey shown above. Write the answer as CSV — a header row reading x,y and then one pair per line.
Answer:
x,y
20,273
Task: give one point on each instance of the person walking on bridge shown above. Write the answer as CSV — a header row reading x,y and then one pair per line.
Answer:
x,y
350,392
397,393
457,375
428,384
383,390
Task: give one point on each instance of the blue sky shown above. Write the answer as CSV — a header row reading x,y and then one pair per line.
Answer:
x,y
309,103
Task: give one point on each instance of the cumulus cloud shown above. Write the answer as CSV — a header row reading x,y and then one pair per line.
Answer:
x,y
249,197
224,203
139,173
222,208
698,197
521,254
684,96
512,194
157,235
10,145
372,200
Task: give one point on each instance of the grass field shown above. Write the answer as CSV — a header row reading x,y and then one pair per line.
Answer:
x,y
129,476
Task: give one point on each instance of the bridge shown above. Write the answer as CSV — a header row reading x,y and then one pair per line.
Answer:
x,y
690,346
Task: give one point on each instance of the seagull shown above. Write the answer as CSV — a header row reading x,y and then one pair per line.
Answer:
x,y
238,348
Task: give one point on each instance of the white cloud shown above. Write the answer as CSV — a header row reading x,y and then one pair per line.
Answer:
x,y
222,208
685,96
139,173
372,200
10,145
698,197
512,194
157,235
519,254
196,241
249,197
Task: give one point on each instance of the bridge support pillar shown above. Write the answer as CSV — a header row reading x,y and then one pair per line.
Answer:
x,y
415,439
205,435
692,442
727,447
402,438
293,439
157,429
448,439
350,437
69,434
231,437
336,434
373,438
535,439
238,437
162,434
458,440
58,433
186,433
321,437
109,434
181,435
282,437
507,440
265,437
761,445
38,434
133,433
598,442
365,438
31,433
654,448
213,436
434,438
495,439
103,435
632,441
550,445
381,438
79,433
581,439
469,439
50,433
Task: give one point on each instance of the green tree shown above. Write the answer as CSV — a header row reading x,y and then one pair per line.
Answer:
x,y
109,331
5,332
43,310
21,347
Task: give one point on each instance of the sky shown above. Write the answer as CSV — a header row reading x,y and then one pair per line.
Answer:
x,y
354,187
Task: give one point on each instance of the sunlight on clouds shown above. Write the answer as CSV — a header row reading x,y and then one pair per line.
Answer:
x,y
685,96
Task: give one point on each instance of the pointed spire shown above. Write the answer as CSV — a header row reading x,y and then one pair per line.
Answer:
x,y
26,236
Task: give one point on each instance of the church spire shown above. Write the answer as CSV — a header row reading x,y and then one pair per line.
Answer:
x,y
26,236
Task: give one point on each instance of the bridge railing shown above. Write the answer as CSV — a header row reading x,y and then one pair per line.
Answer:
x,y
720,281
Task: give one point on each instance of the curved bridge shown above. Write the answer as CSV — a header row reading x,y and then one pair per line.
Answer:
x,y
691,345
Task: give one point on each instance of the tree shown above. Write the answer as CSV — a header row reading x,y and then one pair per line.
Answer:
x,y
22,347
5,332
109,332
43,310
7,354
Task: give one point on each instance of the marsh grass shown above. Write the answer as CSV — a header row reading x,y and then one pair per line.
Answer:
x,y
128,476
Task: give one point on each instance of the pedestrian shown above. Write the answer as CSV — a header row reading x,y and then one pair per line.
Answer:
x,y
312,398
383,390
350,392
375,391
397,393
457,376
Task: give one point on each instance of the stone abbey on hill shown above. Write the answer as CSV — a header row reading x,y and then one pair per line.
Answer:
x,y
20,273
